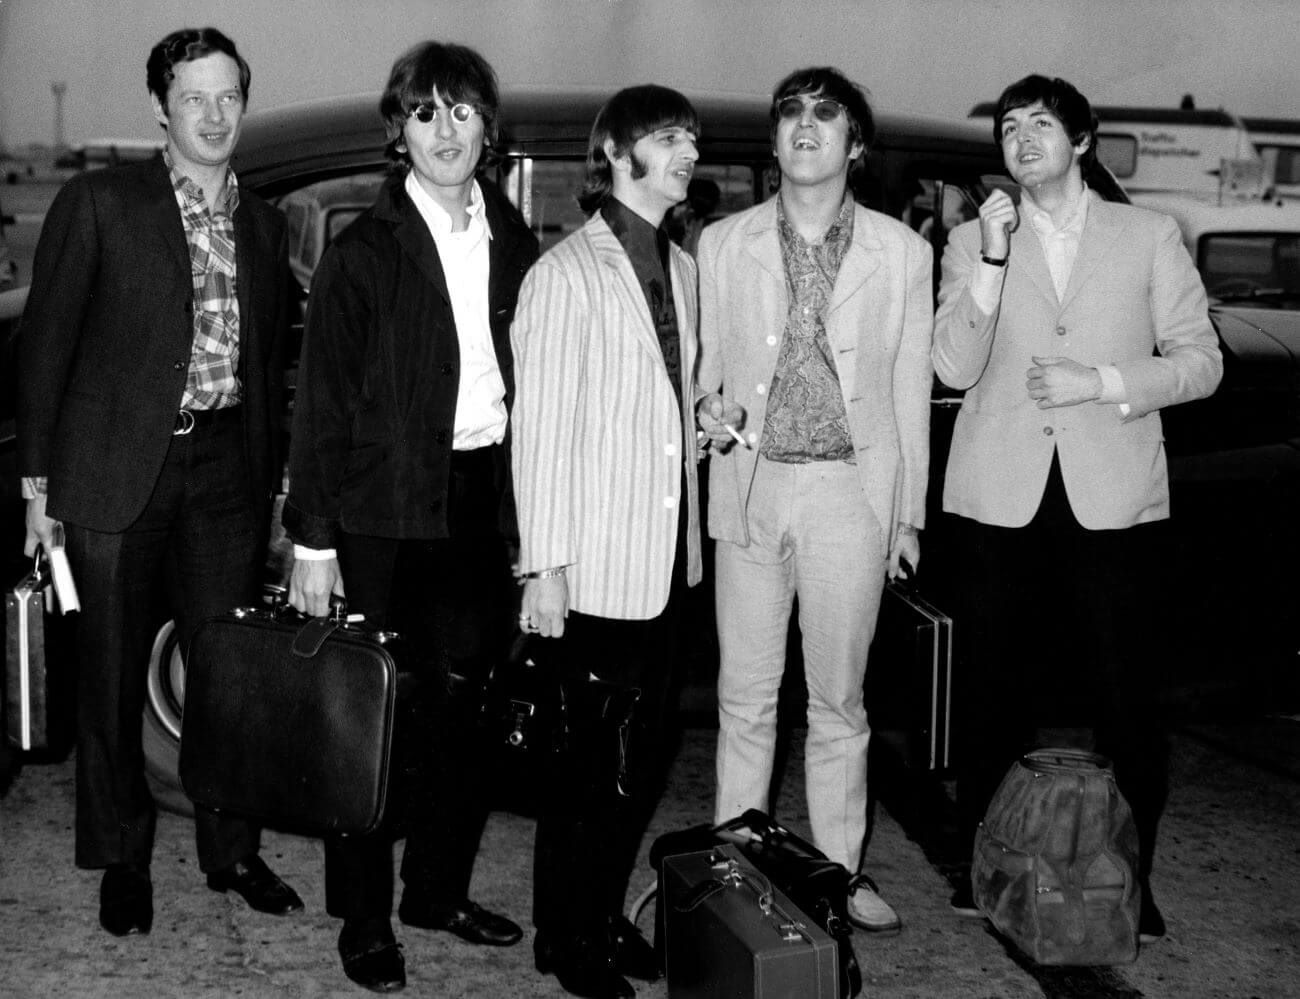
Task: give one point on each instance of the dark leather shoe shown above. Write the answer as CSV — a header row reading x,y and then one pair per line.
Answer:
x,y
466,919
633,955
581,967
259,886
371,956
126,900
1151,925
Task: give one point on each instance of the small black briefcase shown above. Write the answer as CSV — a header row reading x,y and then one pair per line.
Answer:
x,y
290,720
909,677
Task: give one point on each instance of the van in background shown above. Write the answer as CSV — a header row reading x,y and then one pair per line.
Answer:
x,y
1174,149
1277,140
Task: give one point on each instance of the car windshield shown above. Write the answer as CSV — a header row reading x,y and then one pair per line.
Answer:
x,y
1252,265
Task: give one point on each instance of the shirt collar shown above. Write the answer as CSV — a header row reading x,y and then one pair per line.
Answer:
x,y
192,194
840,231
437,218
1076,216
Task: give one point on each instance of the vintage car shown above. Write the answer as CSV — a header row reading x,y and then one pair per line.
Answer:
x,y
322,161
319,162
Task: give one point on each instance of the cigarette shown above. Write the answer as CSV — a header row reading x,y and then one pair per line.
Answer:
x,y
736,437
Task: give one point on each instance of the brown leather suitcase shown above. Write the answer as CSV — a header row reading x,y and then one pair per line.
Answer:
x,y
289,720
1055,861
909,677
729,933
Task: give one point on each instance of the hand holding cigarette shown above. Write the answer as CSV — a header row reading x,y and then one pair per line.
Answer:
x,y
721,420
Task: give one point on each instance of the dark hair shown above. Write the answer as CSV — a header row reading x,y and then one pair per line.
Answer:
x,y
187,45
630,115
1060,98
827,81
456,72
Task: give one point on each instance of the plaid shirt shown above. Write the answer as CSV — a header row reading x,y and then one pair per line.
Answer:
x,y
214,352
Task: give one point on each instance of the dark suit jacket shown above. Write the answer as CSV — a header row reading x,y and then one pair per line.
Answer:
x,y
105,340
375,408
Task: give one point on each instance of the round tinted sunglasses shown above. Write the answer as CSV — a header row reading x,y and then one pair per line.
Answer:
x,y
460,113
824,109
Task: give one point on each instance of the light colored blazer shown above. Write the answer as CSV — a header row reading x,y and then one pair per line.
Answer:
x,y
598,447
878,323
1133,291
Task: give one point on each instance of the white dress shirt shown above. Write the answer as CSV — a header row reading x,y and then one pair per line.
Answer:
x,y
1060,246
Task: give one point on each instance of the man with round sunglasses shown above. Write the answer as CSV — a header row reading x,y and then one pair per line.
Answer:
x,y
815,320
399,486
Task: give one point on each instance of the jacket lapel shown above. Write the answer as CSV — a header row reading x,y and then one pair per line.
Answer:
x,y
1027,250
609,251
860,261
167,216
1099,234
411,233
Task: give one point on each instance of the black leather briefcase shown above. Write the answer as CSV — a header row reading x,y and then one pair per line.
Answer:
x,y
909,678
290,720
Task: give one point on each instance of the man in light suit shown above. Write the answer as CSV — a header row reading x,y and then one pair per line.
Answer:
x,y
151,360
815,322
1070,322
604,464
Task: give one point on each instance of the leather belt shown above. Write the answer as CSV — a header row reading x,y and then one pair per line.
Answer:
x,y
188,419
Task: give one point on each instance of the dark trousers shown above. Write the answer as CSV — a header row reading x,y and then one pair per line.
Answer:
x,y
1062,631
200,540
588,836
450,600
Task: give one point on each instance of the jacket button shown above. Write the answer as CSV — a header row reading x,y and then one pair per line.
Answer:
x,y
1060,331
440,437
448,368
1048,431
760,389
178,366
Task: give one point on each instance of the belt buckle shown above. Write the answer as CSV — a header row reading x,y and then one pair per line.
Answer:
x,y
184,423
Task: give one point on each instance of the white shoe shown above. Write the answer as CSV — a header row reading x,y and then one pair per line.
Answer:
x,y
867,910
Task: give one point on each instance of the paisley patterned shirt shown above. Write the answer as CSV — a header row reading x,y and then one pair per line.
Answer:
x,y
805,419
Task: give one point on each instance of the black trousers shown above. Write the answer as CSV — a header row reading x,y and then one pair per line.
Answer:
x,y
451,601
1062,631
588,836
200,540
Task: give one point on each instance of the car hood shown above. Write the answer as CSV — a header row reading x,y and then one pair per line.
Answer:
x,y
1260,336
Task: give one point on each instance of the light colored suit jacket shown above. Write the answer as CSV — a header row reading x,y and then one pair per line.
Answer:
x,y
599,448
1133,291
879,323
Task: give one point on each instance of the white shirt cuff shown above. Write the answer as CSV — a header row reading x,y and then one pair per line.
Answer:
x,y
314,554
1112,388
986,286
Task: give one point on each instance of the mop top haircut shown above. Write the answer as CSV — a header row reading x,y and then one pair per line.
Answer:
x,y
1059,97
628,116
456,73
827,81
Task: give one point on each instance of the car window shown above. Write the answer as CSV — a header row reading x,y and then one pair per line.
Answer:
x,y
1246,263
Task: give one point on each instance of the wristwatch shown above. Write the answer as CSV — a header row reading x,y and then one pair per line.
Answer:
x,y
994,261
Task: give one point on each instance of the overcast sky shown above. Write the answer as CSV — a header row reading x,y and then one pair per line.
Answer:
x,y
939,56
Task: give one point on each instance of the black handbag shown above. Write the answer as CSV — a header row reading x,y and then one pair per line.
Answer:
x,y
816,884
289,719
528,716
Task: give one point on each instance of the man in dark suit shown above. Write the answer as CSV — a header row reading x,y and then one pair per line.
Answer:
x,y
400,485
150,362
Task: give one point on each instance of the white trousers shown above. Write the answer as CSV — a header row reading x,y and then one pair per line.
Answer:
x,y
814,535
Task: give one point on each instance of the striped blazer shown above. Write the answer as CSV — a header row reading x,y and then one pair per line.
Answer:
x,y
599,447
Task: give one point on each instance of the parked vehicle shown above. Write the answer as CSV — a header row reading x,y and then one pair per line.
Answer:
x,y
1172,149
1277,140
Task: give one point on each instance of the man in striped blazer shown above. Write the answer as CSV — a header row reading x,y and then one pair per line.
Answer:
x,y
604,468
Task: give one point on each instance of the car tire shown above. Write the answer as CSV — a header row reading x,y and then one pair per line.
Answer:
x,y
161,729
